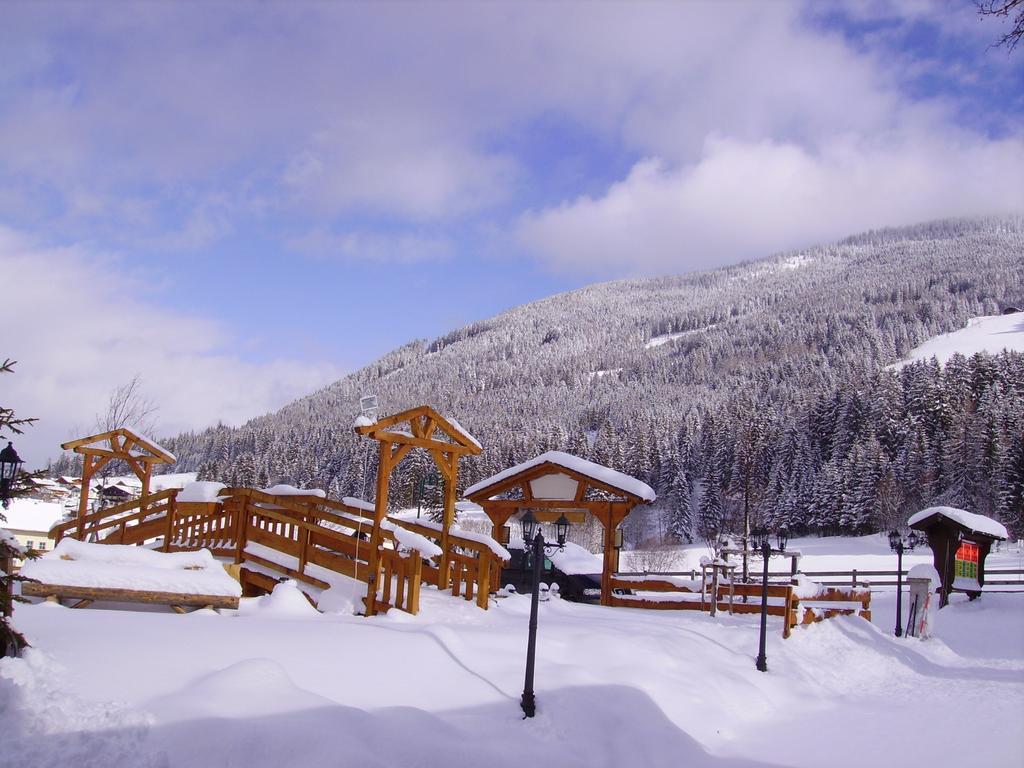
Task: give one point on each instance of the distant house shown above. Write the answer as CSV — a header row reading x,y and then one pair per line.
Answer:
x,y
46,489
30,520
1011,310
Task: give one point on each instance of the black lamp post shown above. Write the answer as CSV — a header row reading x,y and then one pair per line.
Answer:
x,y
10,465
897,545
533,539
761,539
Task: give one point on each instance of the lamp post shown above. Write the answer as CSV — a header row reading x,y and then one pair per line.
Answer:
x,y
762,541
10,465
897,545
533,539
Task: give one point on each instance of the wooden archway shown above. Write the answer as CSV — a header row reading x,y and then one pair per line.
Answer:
x,y
139,452
446,441
555,483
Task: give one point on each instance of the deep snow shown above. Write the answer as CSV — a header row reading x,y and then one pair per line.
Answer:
x,y
274,684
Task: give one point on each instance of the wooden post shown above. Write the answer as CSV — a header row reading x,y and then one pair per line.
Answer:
x,y
412,604
376,537
241,506
448,463
714,589
83,496
485,560
787,612
609,557
147,474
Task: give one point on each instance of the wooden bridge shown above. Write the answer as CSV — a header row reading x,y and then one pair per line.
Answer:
x,y
309,538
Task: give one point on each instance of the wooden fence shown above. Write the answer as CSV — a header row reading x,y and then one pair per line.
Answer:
x,y
474,569
783,599
855,577
301,533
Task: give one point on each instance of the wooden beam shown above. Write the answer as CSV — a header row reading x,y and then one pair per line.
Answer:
x,y
35,589
380,512
451,477
419,442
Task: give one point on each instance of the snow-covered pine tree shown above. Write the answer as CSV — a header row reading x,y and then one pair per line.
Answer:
x,y
11,640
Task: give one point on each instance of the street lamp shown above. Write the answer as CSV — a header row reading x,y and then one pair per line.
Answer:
x,y
762,541
533,539
10,465
897,545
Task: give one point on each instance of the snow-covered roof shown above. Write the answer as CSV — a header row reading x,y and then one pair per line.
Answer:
x,y
969,520
32,514
149,442
462,431
154,449
605,475
574,559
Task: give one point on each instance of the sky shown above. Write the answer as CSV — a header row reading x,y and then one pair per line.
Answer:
x,y
242,202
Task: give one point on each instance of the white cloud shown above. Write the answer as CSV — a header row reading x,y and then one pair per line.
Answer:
x,y
745,200
178,124
80,324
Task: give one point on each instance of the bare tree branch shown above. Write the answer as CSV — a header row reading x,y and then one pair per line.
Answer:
x,y
1005,9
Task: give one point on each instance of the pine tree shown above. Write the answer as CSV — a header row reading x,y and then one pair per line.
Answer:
x,y
11,640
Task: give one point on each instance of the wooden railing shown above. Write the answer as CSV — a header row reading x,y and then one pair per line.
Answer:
x,y
132,522
322,533
309,531
855,577
474,568
744,599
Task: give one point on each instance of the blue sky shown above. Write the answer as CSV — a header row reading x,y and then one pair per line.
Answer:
x,y
250,200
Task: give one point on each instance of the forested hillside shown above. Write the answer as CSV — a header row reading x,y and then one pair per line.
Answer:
x,y
764,383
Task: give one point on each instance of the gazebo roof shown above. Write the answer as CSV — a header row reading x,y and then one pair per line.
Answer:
x,y
124,442
968,521
555,461
423,422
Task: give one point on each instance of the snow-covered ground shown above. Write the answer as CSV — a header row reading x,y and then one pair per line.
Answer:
x,y
992,334
275,684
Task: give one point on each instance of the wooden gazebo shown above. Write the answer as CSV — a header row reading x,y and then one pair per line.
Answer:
x,y
555,483
446,441
125,444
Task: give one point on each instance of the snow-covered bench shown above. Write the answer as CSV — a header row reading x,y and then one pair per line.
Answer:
x,y
120,573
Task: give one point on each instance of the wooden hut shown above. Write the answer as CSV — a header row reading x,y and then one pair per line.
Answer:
x,y
557,483
960,542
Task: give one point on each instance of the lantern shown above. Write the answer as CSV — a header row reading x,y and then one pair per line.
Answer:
x,y
562,529
10,465
529,524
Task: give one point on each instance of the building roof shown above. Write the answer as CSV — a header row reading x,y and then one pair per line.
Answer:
x,y
32,515
602,474
971,522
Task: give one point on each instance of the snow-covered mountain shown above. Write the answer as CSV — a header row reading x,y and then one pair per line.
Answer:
x,y
769,377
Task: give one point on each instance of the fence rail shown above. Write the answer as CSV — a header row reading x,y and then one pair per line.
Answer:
x,y
856,577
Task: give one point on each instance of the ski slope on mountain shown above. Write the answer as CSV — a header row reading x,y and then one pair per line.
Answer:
x,y
992,334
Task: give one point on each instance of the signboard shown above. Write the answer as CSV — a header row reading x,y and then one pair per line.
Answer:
x,y
965,564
